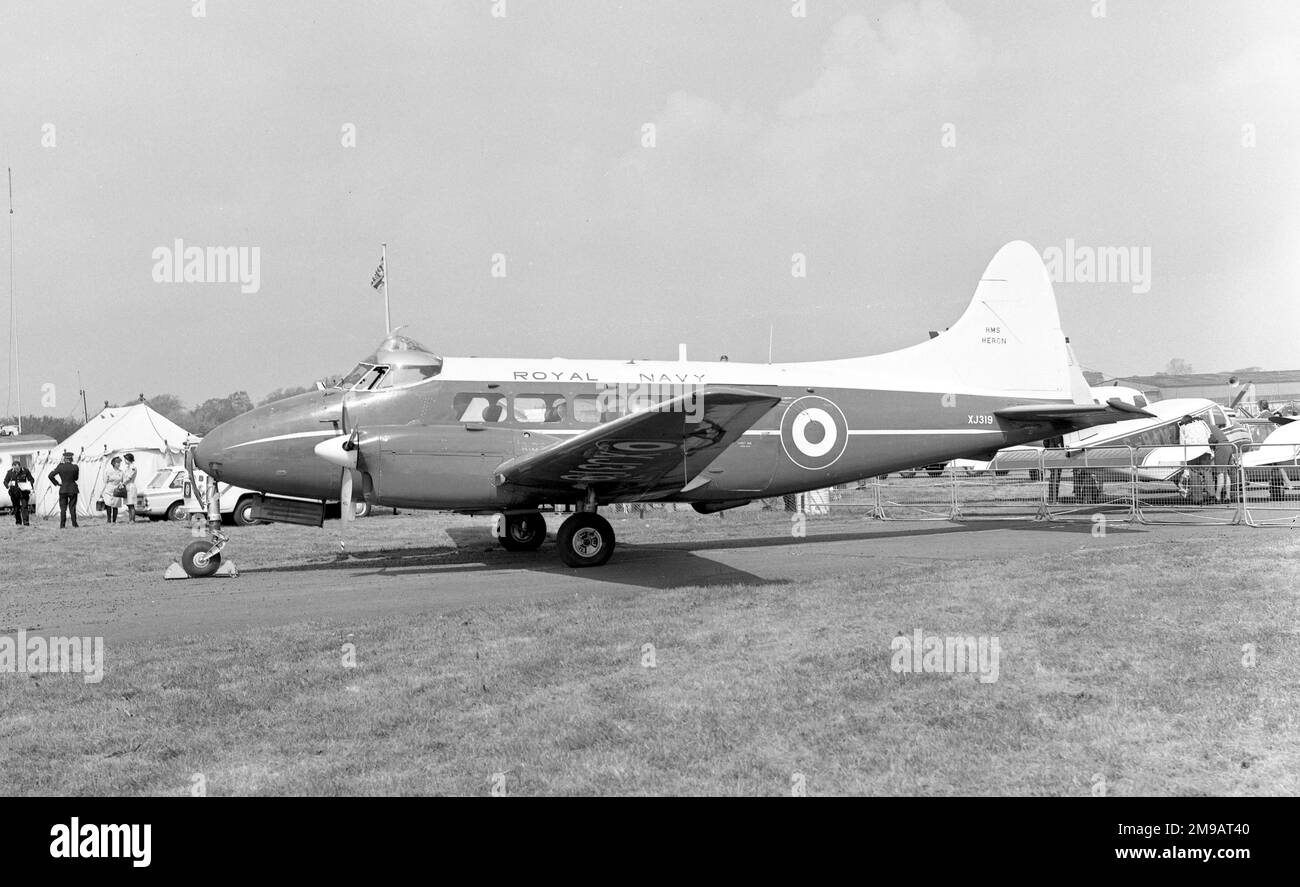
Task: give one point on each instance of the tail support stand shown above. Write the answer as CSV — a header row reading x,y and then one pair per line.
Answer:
x,y
1043,483
878,510
1133,486
1241,516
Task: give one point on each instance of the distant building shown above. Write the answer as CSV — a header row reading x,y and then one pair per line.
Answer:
x,y
1275,386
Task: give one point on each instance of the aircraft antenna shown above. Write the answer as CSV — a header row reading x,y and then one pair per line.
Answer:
x,y
771,332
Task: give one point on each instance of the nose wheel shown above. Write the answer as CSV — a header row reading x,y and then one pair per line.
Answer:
x,y
199,560
203,558
585,540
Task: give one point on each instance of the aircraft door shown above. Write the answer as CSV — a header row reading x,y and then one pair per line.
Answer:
x,y
747,466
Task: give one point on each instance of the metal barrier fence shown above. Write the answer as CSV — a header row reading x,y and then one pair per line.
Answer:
x,y
1257,485
1269,479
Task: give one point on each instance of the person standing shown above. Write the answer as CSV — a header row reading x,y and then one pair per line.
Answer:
x,y
1193,434
19,481
65,476
1053,474
1223,451
114,492
128,481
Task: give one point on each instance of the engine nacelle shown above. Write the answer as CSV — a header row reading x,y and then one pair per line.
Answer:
x,y
433,466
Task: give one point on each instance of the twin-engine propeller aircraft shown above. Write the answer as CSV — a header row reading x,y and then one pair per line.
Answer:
x,y
518,437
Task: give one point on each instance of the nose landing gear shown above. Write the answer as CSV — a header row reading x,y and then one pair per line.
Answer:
x,y
202,558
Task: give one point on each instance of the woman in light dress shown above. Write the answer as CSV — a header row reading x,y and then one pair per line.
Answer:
x,y
128,478
112,480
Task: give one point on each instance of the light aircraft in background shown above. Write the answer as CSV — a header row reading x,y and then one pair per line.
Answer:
x,y
1146,448
519,437
1276,461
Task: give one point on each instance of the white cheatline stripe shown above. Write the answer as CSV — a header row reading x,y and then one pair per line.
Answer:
x,y
928,431
902,431
294,436
558,433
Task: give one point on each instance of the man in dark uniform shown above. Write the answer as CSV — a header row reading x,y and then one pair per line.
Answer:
x,y
19,482
65,474
1054,474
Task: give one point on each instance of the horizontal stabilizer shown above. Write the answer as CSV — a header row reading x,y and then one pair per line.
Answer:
x,y
1073,416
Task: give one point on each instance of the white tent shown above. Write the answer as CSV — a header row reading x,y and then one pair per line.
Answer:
x,y
153,439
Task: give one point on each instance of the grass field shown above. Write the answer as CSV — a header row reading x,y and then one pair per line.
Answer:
x,y
1120,667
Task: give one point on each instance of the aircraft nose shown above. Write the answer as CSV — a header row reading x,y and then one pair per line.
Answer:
x,y
212,450
205,453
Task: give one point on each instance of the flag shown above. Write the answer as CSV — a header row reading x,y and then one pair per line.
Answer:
x,y
377,281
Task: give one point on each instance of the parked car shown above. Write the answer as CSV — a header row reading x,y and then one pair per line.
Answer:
x,y
164,497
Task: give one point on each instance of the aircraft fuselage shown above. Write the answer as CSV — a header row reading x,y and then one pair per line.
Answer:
x,y
444,457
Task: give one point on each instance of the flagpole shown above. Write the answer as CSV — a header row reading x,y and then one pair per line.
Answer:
x,y
17,386
388,321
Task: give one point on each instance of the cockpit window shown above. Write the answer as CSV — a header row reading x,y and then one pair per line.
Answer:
x,y
402,343
407,376
365,377
1139,401
397,361
354,377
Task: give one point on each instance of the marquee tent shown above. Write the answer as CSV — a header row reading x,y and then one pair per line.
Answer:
x,y
154,440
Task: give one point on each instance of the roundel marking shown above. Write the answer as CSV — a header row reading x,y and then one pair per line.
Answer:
x,y
814,432
643,446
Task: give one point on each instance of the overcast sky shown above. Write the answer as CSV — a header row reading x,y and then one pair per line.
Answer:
x,y
1166,126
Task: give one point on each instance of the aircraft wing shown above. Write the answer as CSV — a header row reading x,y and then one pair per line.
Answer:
x,y
1073,416
646,453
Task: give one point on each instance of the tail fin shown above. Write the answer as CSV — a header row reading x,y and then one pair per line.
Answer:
x,y
1009,340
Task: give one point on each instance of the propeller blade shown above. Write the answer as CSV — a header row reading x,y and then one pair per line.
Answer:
x,y
345,495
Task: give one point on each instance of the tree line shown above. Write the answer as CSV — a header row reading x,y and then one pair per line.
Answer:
x,y
199,419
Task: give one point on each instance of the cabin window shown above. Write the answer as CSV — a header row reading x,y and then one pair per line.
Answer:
x,y
1219,417
541,408
474,407
585,409
1160,436
1139,401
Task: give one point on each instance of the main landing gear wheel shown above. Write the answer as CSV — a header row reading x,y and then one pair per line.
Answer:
x,y
524,532
585,540
197,562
